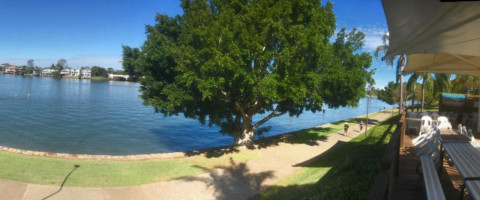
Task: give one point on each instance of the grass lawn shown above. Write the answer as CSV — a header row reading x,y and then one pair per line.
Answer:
x,y
52,171
307,135
345,172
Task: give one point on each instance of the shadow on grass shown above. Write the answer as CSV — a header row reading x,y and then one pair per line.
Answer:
x,y
351,171
233,182
213,152
306,136
75,167
309,136
345,171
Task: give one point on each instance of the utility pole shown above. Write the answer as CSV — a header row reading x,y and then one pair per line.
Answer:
x,y
366,124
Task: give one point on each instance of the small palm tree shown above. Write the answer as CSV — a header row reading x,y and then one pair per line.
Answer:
x,y
466,84
439,82
412,85
389,61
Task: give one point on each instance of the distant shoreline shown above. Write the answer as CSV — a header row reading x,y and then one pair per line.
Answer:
x,y
96,78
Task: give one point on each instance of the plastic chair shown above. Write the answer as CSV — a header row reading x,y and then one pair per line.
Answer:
x,y
425,124
460,129
442,122
429,144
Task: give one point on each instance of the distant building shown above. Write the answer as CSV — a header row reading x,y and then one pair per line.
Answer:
x,y
118,77
74,72
65,72
36,72
86,73
10,69
48,72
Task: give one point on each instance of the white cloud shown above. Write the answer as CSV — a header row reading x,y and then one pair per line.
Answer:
x,y
105,61
373,37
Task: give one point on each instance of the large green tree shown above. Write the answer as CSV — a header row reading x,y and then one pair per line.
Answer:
x,y
223,62
99,71
389,93
130,63
466,84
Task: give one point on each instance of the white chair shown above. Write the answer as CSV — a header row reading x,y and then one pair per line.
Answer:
x,y
425,125
442,122
469,134
420,140
428,145
459,129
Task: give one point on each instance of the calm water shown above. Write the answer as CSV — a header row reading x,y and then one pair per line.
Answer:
x,y
108,117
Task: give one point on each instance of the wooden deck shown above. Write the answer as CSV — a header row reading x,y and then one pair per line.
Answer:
x,y
409,184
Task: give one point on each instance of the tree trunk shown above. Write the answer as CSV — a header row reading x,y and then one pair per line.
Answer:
x,y
401,94
423,93
413,98
245,138
402,63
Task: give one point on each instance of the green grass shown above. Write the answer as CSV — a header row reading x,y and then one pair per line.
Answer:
x,y
108,173
308,135
345,172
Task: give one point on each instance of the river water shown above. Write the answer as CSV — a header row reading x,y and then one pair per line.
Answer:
x,y
108,117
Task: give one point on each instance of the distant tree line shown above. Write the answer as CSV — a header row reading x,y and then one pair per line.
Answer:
x,y
29,68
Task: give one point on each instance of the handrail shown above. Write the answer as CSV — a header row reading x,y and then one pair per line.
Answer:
x,y
383,186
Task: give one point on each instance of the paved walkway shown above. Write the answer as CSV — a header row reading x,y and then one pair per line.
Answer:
x,y
238,181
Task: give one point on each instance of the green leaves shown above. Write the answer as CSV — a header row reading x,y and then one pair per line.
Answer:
x,y
229,60
389,93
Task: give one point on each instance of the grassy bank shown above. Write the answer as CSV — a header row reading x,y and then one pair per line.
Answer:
x,y
107,173
307,135
51,171
345,172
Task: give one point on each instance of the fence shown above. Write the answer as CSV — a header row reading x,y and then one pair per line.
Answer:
x,y
383,187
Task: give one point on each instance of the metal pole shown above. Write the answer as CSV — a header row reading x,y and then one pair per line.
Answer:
x,y
366,124
478,116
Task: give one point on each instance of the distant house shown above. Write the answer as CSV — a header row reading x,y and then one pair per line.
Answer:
x,y
74,72
86,73
36,72
48,72
65,72
10,69
3,67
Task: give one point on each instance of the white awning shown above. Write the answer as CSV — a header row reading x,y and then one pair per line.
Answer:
x,y
441,37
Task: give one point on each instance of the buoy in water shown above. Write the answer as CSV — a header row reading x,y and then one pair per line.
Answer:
x,y
16,95
28,95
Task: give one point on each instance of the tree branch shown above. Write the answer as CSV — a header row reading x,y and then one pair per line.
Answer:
x,y
240,108
268,117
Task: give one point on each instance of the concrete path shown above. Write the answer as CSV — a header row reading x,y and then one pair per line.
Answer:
x,y
237,181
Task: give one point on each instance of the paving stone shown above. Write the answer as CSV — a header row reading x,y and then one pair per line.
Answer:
x,y
10,190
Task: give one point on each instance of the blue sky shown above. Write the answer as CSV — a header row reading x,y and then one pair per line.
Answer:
x,y
89,32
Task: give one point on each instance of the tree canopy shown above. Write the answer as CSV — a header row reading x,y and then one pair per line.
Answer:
x,y
223,62
389,93
98,71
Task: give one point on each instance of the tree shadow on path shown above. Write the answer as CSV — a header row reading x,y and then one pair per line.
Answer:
x,y
234,182
63,183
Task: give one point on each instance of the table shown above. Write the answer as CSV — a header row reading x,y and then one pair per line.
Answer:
x,y
467,161
451,135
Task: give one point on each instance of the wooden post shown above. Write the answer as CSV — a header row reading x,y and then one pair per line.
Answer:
x,y
402,130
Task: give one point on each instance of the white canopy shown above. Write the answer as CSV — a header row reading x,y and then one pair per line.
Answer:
x,y
441,37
